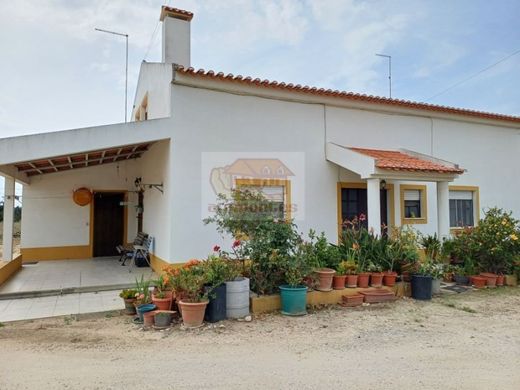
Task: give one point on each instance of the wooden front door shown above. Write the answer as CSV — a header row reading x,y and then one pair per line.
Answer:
x,y
109,223
354,204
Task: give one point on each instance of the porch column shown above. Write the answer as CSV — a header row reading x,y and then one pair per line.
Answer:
x,y
443,209
7,241
374,206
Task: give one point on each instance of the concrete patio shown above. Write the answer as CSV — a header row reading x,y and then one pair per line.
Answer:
x,y
71,276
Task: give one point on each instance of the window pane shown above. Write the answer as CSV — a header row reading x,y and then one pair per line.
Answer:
x,y
412,209
461,213
453,213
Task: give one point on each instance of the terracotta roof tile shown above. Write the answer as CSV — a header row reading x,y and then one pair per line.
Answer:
x,y
345,95
176,13
400,161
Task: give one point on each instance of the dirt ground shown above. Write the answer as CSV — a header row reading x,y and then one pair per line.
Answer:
x,y
467,341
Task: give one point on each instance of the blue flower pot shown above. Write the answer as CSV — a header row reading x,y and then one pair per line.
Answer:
x,y
294,300
141,309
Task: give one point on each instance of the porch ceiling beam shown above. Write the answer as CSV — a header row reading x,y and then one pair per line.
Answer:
x,y
86,159
52,165
412,176
70,162
129,154
34,167
133,151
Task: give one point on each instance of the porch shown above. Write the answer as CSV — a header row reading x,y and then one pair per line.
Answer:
x,y
46,278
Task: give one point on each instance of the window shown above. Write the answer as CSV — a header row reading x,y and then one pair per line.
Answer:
x,y
463,206
413,204
278,192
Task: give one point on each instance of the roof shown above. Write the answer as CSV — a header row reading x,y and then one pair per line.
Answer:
x,y
82,160
210,74
401,161
175,13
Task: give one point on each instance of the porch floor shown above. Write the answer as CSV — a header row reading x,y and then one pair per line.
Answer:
x,y
94,274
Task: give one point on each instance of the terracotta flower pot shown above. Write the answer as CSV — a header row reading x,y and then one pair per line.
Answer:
x,y
478,281
500,280
491,279
162,303
389,278
193,313
511,280
363,279
376,279
338,282
325,276
148,318
352,281
405,276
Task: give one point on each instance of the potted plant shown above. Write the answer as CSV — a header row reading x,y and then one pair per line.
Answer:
x,y
194,299
421,282
390,276
218,271
163,318
338,280
143,298
162,296
293,294
437,272
327,258
376,275
129,298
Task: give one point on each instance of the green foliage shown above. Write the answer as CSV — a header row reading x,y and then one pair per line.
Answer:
x,y
190,283
143,290
432,246
128,294
219,270
431,268
240,214
295,270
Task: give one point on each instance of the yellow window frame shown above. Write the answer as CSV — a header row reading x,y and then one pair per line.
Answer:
x,y
423,219
476,207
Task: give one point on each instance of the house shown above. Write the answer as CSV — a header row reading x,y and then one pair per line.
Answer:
x,y
326,155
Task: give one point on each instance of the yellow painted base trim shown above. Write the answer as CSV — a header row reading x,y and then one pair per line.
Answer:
x,y
159,264
9,268
270,303
56,253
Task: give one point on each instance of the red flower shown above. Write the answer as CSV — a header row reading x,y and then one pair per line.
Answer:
x,y
216,248
362,217
236,243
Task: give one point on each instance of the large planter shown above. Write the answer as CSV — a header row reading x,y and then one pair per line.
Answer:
x,y
351,281
389,278
193,313
294,300
436,286
511,280
163,318
338,282
141,309
376,279
422,287
491,279
130,306
325,279
461,280
363,279
216,309
237,298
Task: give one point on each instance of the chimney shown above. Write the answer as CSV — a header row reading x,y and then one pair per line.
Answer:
x,y
176,36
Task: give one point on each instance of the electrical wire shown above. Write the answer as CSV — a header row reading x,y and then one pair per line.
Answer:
x,y
472,76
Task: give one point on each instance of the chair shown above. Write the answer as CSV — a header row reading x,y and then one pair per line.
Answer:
x,y
129,248
140,251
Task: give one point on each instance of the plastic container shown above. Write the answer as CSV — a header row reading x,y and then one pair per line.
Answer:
x,y
141,309
237,298
422,287
294,300
216,309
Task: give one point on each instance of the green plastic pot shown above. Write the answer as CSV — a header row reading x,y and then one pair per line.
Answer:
x,y
294,300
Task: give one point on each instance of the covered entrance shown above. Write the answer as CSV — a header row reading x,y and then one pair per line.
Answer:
x,y
109,225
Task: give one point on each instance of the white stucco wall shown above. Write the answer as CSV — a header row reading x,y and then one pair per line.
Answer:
x,y
154,80
206,121
50,218
154,169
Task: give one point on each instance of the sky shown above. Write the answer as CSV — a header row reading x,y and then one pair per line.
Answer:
x,y
57,72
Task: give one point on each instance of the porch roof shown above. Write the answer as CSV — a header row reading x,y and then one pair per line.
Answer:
x,y
398,164
82,160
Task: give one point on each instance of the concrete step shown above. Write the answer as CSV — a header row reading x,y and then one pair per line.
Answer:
x,y
63,291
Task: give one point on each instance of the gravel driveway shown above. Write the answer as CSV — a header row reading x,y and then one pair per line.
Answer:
x,y
467,341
